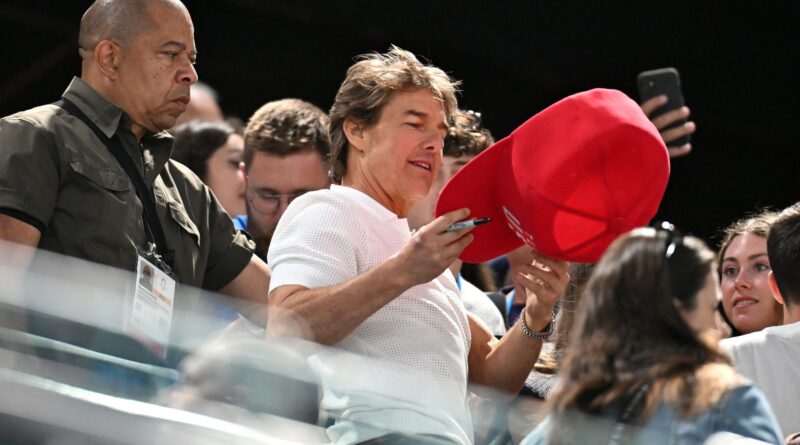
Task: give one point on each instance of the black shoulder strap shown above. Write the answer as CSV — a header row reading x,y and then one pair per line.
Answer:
x,y
155,234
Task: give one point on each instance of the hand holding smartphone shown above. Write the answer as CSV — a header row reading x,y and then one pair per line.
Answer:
x,y
669,117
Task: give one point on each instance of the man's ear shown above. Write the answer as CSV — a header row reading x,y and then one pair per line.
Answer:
x,y
354,132
773,286
106,57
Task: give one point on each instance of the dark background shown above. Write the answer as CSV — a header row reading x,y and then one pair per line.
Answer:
x,y
737,62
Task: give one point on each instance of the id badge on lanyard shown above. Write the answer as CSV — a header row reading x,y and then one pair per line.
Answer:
x,y
150,318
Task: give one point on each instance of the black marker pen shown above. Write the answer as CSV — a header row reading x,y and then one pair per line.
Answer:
x,y
467,224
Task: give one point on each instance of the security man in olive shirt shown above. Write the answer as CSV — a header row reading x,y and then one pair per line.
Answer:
x,y
63,189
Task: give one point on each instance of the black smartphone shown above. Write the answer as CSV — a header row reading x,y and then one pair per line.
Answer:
x,y
664,81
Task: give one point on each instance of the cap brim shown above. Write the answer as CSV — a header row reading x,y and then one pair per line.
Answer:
x,y
475,186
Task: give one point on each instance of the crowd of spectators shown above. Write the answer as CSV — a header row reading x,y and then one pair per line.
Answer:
x,y
323,228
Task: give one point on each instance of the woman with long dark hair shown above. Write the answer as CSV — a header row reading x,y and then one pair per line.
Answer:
x,y
643,364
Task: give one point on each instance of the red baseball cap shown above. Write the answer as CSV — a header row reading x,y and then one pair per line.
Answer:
x,y
567,182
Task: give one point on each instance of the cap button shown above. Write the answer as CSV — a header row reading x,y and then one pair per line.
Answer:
x,y
618,225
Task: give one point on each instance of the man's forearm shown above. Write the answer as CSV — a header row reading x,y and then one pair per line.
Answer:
x,y
504,365
328,314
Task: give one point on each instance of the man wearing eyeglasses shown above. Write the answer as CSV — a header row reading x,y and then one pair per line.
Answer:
x,y
286,146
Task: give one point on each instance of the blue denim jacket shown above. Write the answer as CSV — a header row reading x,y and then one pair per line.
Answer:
x,y
743,410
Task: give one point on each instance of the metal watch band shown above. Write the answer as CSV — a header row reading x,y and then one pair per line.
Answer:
x,y
550,328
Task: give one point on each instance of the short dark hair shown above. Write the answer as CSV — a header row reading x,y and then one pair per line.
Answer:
x,y
783,250
287,126
370,83
196,141
119,20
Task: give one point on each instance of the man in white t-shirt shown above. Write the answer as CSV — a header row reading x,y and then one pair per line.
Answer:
x,y
348,272
770,357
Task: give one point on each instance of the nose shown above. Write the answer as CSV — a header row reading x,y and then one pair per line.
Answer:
x,y
434,141
187,75
282,207
241,180
742,280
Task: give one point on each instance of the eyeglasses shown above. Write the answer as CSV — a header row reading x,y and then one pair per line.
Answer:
x,y
269,204
674,237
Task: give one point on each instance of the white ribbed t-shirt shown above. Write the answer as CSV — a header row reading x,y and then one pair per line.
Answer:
x,y
405,367
770,359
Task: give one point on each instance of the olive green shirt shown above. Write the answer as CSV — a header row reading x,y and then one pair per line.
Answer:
x,y
58,176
